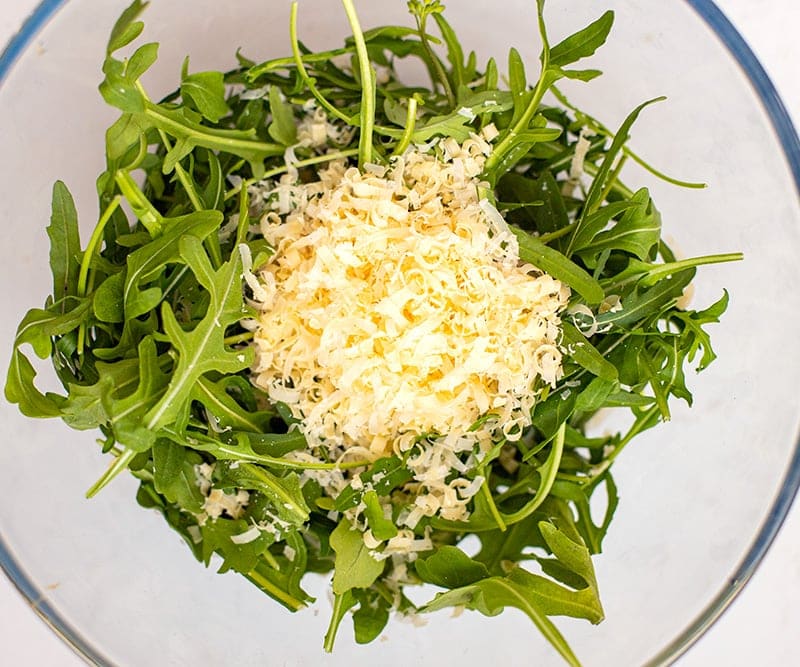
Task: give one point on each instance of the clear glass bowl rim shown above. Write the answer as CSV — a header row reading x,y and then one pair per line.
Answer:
x,y
790,143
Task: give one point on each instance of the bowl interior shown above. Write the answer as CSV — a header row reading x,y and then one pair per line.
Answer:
x,y
694,492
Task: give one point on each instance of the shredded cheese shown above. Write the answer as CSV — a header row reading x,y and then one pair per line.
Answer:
x,y
395,313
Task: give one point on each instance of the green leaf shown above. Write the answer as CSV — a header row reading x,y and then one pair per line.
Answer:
x,y
127,28
533,595
202,349
65,246
517,81
455,54
284,493
355,567
381,527
596,393
84,406
583,43
557,265
126,414
214,191
600,181
597,221
450,567
579,74
141,61
647,302
124,135
147,262
39,326
637,232
118,90
548,415
20,389
282,128
371,617
206,91
382,476
586,355
550,214
225,412
174,475
242,558
108,300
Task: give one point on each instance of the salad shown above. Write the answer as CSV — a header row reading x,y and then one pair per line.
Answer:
x,y
336,323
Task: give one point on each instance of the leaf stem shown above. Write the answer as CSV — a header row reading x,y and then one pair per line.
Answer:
x,y
438,67
271,589
301,69
408,131
144,209
243,337
551,466
119,464
496,515
367,73
542,85
340,602
86,261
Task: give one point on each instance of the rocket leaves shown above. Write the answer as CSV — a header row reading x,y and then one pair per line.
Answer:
x,y
203,349
149,327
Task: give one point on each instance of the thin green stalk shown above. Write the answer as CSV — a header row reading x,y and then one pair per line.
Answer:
x,y
612,180
94,244
542,85
275,462
119,464
664,270
144,209
496,515
244,337
438,67
86,261
367,73
553,462
552,236
209,137
301,68
212,240
292,602
285,63
411,122
336,618
601,129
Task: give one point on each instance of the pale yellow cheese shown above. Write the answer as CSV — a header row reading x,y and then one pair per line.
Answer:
x,y
395,306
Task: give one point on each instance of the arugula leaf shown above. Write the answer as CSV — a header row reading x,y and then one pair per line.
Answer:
x,y
174,476
557,265
283,128
65,244
450,567
202,349
206,91
583,43
527,592
355,566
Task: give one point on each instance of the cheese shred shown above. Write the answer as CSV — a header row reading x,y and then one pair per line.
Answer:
x,y
396,315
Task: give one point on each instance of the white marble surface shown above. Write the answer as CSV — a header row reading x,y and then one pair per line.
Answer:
x,y
760,628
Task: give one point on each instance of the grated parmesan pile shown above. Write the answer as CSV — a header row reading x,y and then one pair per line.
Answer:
x,y
395,314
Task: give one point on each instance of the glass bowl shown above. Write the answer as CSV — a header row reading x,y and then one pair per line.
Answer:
x,y
701,497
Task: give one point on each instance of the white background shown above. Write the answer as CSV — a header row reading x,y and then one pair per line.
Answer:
x,y
761,626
